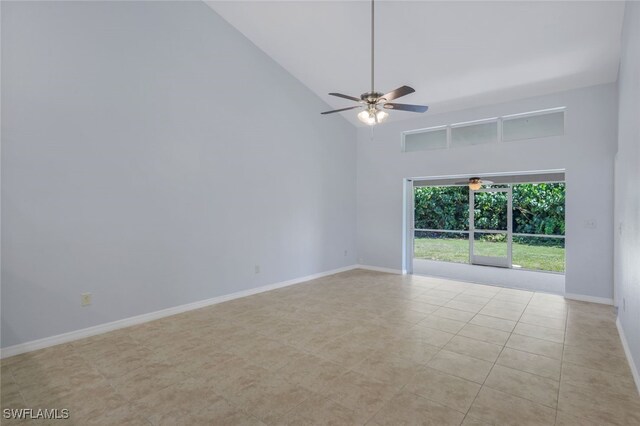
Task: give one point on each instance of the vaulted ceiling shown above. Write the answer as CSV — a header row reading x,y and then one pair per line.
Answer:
x,y
455,54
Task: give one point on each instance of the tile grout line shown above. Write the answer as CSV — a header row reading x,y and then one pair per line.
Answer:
x,y
245,325
440,349
130,403
494,363
456,334
424,365
20,391
517,334
566,326
390,399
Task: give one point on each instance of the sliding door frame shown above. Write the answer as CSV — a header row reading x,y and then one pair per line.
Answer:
x,y
408,225
488,260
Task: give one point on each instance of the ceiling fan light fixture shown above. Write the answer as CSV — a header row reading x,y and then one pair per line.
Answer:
x,y
381,115
371,100
372,116
475,184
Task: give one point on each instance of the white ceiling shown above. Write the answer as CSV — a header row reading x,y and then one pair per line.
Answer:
x,y
455,54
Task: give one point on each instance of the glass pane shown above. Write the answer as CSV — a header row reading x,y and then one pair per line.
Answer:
x,y
538,253
538,208
444,246
474,134
490,210
442,207
494,245
432,139
537,126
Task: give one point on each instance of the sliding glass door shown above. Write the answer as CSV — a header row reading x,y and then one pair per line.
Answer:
x,y
517,226
490,232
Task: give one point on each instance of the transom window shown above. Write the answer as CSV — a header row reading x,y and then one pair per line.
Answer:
x,y
508,128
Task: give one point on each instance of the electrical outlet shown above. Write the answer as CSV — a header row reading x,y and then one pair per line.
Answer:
x,y
85,299
346,252
256,269
590,224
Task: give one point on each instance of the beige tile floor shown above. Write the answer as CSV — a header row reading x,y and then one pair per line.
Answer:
x,y
355,348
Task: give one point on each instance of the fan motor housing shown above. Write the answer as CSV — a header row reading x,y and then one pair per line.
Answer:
x,y
371,97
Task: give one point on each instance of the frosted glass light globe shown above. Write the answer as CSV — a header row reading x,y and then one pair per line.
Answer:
x,y
372,116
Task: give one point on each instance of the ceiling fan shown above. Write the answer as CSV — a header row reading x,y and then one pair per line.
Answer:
x,y
373,101
475,183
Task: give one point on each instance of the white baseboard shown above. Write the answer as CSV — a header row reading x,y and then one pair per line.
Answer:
x,y
139,319
381,269
592,299
627,352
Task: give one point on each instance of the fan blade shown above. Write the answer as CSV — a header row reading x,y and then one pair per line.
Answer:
x,y
406,107
339,110
351,98
399,92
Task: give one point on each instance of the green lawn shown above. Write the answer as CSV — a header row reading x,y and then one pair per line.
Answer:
x,y
527,256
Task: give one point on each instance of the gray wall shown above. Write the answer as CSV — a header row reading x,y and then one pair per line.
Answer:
x,y
152,156
586,152
627,212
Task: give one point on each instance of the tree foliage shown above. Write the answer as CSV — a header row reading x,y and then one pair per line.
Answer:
x,y
490,210
537,208
442,207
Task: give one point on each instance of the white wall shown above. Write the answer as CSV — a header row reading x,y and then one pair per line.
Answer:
x,y
152,156
515,278
627,211
586,153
